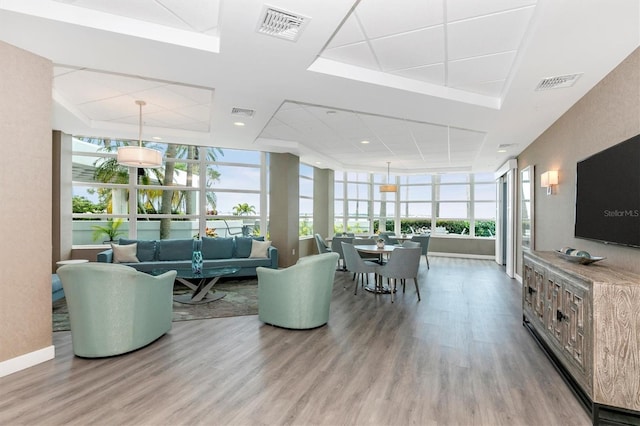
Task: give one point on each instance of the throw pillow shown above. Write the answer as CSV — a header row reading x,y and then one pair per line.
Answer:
x,y
124,254
146,251
243,245
259,248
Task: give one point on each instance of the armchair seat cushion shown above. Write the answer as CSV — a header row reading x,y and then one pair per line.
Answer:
x,y
114,309
299,296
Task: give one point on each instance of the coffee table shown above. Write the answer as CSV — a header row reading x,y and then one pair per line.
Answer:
x,y
207,279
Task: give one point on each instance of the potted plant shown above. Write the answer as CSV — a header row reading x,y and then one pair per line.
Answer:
x,y
111,230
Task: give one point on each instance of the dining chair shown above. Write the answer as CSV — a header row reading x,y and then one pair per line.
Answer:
x,y
424,243
403,264
411,244
387,236
322,245
366,242
336,247
357,265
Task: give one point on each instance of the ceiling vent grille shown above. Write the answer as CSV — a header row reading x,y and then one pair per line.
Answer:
x,y
558,82
282,24
244,112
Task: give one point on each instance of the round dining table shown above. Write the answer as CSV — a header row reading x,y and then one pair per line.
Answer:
x,y
379,287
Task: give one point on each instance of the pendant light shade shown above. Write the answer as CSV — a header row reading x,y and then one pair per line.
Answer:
x,y
139,156
388,187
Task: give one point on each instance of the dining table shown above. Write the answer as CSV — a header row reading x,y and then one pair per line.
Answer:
x,y
382,252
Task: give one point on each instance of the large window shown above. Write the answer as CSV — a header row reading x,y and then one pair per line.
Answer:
x,y
198,190
352,211
306,200
453,204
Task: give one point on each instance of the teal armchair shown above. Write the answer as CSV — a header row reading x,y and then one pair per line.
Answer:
x,y
299,296
114,309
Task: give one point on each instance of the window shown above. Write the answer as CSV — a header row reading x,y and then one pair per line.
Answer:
x,y
198,189
454,204
416,204
306,200
352,210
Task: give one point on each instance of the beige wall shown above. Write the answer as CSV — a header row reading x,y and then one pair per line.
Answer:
x,y
607,115
25,211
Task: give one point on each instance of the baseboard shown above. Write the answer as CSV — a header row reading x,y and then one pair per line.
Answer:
x,y
518,278
27,360
463,255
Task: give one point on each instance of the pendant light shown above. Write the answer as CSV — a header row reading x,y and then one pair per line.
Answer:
x,y
139,156
388,187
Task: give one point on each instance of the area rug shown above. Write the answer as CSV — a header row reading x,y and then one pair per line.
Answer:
x,y
241,299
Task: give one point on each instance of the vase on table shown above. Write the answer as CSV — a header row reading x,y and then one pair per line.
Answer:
x,y
380,244
196,259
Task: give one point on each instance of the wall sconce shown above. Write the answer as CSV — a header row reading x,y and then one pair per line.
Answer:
x,y
548,179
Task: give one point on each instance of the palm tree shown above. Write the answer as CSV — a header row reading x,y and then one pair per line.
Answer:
x,y
109,171
243,209
191,152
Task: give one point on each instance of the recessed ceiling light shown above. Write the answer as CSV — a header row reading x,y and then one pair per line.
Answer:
x,y
331,112
364,142
502,150
238,123
318,162
157,138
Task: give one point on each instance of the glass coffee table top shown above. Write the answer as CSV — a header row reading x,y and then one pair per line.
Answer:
x,y
206,272
207,279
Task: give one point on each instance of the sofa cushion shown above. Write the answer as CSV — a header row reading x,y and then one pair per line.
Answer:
x,y
179,249
146,251
217,248
243,246
259,248
124,254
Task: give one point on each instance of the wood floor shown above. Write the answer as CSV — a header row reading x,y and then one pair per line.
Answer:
x,y
459,357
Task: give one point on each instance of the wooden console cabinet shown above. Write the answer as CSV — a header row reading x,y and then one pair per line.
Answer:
x,y
587,319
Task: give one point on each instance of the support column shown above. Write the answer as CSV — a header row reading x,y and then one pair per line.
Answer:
x,y
284,209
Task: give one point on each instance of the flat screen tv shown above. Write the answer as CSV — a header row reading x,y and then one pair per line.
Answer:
x,y
608,195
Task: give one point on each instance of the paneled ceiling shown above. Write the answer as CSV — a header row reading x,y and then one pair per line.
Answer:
x,y
429,85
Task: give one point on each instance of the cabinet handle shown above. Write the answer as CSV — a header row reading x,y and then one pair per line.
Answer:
x,y
560,316
531,290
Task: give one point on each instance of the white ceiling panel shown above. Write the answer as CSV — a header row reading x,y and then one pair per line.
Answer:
x,y
381,18
200,15
464,9
412,49
480,69
431,73
358,54
371,61
489,88
350,33
144,10
494,34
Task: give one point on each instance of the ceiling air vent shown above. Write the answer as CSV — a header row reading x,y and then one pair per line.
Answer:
x,y
282,24
558,82
243,112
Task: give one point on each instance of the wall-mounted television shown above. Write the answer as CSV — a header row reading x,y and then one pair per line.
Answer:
x,y
608,195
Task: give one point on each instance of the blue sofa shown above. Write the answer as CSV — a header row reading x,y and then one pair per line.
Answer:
x,y
216,252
